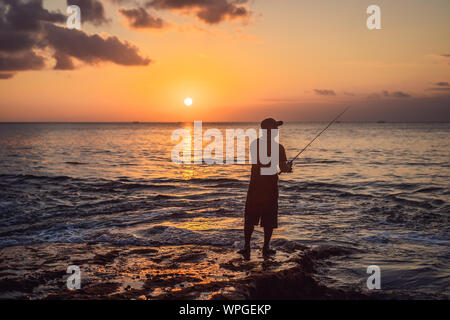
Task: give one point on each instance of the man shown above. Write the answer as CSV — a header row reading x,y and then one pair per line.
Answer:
x,y
262,196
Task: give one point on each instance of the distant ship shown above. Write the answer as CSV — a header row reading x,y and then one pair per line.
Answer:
x,y
135,122
381,121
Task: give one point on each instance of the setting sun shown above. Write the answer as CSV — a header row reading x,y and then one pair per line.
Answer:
x,y
188,101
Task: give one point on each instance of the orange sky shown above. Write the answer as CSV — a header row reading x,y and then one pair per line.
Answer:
x,y
297,60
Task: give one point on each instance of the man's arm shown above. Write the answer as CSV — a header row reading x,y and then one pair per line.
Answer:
x,y
285,165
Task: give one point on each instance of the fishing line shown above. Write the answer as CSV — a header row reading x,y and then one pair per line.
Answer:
x,y
329,124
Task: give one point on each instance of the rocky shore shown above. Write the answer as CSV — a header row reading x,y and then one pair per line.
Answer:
x,y
168,272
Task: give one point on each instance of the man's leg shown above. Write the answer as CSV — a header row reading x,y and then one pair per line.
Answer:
x,y
248,230
267,235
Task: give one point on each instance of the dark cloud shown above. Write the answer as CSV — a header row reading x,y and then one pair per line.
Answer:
x,y
26,15
20,62
325,92
26,26
20,32
396,94
93,48
209,11
16,41
439,89
91,11
441,86
140,18
63,61
122,2
4,76
20,23
400,94
442,58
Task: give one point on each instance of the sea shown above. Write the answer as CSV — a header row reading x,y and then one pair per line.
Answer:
x,y
381,190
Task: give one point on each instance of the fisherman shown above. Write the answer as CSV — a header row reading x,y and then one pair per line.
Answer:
x,y
261,206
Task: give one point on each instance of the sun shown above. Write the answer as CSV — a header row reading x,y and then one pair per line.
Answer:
x,y
188,101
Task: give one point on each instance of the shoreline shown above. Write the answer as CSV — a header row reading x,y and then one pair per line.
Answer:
x,y
183,272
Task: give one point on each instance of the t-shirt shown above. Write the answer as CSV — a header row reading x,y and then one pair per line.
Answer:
x,y
256,168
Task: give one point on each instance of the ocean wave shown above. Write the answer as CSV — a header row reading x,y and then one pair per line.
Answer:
x,y
75,163
413,203
412,236
153,236
24,177
428,190
302,185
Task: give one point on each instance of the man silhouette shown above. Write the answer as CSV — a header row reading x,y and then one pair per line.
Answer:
x,y
262,196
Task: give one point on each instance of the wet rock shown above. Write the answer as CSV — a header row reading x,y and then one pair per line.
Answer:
x,y
144,251
26,285
325,252
190,257
106,258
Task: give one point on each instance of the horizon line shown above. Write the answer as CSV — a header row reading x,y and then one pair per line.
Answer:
x,y
174,122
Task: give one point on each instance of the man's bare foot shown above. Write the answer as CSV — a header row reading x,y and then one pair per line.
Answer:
x,y
268,252
245,252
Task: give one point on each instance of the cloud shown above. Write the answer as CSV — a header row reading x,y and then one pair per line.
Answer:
x,y
442,58
29,34
208,11
388,94
4,76
93,48
140,18
20,32
439,89
25,61
91,11
16,41
441,86
439,55
63,61
20,23
325,92
21,15
122,2
396,94
400,94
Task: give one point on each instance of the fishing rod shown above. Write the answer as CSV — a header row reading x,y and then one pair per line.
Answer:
x,y
334,120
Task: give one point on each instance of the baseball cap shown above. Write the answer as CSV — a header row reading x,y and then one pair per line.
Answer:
x,y
270,123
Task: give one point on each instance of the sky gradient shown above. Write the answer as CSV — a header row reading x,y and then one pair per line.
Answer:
x,y
238,60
